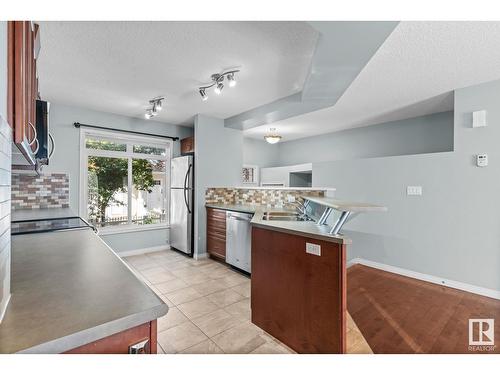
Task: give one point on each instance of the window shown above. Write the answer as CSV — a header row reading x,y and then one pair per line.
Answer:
x,y
124,180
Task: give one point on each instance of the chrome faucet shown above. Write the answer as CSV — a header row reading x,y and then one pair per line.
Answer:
x,y
301,208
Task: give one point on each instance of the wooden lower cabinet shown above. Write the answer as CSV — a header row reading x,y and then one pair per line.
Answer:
x,y
216,233
297,297
120,342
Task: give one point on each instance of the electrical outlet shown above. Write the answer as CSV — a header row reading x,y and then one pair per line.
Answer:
x,y
314,249
290,198
414,190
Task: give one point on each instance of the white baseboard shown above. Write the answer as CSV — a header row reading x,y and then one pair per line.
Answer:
x,y
144,250
3,308
492,293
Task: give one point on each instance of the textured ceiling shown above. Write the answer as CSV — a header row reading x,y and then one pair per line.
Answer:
x,y
118,66
413,73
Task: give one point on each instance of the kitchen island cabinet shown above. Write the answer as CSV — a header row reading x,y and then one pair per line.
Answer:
x,y
299,297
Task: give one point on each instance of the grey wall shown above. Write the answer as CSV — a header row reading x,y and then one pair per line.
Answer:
x,y
5,161
66,159
424,134
452,231
260,153
218,161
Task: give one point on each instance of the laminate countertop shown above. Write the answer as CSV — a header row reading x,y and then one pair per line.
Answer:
x,y
69,289
301,228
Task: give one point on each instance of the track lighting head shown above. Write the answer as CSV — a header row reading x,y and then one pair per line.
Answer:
x,y
231,80
149,114
219,88
204,95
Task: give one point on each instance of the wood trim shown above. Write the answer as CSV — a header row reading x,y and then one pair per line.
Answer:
x,y
153,334
343,304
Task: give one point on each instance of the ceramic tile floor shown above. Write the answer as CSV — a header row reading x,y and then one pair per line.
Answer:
x,y
210,307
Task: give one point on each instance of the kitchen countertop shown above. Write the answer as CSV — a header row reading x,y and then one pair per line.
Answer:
x,y
252,187
40,214
345,205
302,228
69,289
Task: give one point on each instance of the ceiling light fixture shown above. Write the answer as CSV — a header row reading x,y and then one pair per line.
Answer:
x,y
217,83
272,137
156,106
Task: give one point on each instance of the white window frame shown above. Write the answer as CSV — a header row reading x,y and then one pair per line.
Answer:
x,y
129,154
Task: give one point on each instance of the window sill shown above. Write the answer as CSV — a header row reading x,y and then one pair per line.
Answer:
x,y
131,228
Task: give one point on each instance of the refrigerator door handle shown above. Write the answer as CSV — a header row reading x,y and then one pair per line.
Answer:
x,y
186,190
186,201
187,176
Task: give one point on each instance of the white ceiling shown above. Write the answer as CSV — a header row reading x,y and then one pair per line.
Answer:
x,y
118,66
413,73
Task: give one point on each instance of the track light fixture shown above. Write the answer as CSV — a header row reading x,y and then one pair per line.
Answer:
x,y
217,83
156,106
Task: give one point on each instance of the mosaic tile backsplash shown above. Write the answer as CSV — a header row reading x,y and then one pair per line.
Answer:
x,y
267,197
44,191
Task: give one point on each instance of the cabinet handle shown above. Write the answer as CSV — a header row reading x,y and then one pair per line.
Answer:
x,y
37,146
35,134
53,145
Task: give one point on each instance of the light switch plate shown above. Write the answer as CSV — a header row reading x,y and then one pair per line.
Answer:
x,y
482,160
314,249
479,119
414,190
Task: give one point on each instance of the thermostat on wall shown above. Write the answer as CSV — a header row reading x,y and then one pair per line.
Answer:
x,y
482,160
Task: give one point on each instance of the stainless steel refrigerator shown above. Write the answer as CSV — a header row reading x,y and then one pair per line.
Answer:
x,y
181,204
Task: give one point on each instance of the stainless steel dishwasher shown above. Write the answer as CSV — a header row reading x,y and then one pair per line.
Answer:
x,y
239,240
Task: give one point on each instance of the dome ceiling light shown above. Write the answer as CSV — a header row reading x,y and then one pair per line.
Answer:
x,y
218,83
156,106
272,137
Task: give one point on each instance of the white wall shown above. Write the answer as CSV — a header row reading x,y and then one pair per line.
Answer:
x,y
260,153
66,159
218,161
5,161
419,135
452,231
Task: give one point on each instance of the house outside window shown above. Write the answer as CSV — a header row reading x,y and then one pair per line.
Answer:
x,y
124,180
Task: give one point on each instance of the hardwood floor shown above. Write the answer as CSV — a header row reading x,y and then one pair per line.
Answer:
x,y
397,314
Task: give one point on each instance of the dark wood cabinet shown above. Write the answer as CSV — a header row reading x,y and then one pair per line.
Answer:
x,y
216,233
22,87
121,342
187,146
297,297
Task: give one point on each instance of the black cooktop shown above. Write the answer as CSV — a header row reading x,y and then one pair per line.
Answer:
x,y
47,225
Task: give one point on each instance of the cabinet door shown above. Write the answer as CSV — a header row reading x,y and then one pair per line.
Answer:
x,y
22,84
187,145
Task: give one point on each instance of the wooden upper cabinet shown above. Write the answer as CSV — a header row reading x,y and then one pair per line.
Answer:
x,y
22,82
187,145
